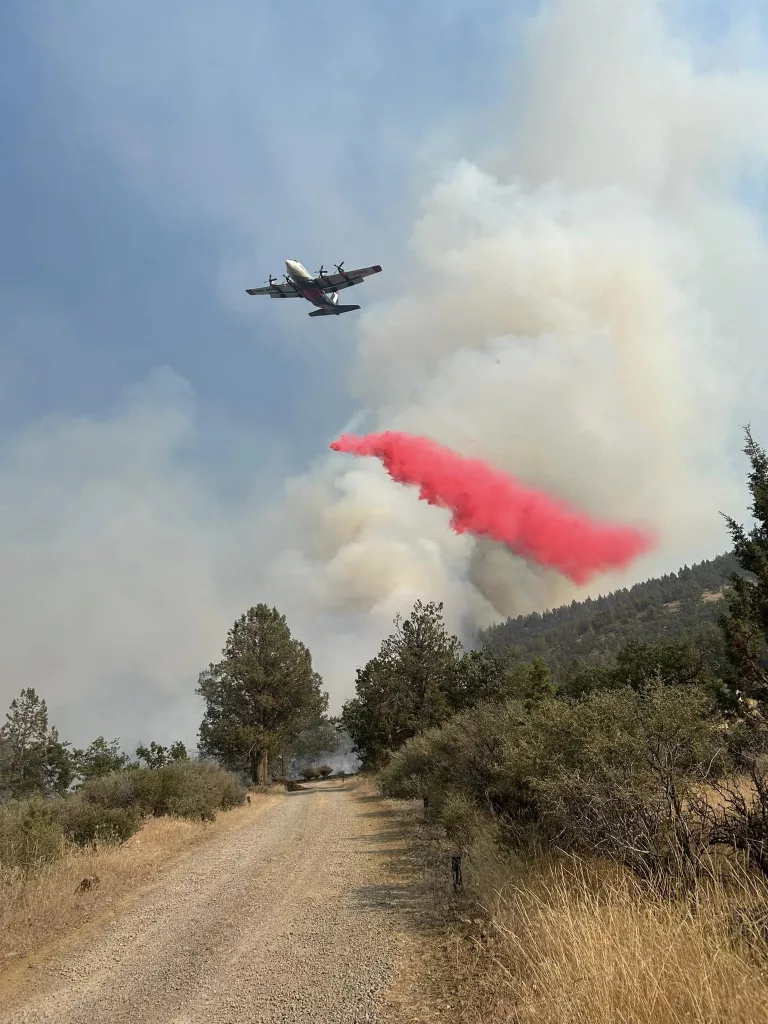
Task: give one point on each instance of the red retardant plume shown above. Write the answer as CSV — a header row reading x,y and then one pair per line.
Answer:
x,y
486,502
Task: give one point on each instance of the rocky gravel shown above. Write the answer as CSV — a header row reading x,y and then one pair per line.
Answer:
x,y
293,918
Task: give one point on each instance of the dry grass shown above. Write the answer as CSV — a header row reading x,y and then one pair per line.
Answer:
x,y
42,907
566,942
556,941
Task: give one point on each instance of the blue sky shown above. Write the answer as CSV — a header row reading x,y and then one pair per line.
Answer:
x,y
149,147
157,160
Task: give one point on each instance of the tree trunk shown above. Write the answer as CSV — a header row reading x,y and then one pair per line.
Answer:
x,y
264,768
254,766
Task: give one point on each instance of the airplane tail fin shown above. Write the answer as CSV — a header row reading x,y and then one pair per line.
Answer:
x,y
332,310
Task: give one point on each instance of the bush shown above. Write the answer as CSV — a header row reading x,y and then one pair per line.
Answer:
x,y
119,789
612,774
485,754
29,835
86,823
185,789
325,770
310,773
617,772
737,817
462,820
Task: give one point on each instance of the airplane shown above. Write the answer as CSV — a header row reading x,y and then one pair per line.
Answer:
x,y
322,289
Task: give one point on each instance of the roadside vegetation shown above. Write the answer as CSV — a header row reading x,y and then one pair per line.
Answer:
x,y
80,828
612,815
86,882
65,856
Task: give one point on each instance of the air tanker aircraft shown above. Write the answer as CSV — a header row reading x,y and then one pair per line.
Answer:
x,y
322,289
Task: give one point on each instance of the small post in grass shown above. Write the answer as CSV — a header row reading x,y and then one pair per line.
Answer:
x,y
456,871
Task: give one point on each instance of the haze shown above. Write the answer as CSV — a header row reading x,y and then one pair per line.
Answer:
x,y
568,201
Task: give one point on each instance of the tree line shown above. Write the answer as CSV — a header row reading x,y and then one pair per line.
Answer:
x,y
687,603
265,711
35,760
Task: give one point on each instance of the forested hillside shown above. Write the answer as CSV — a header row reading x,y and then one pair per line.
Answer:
x,y
680,604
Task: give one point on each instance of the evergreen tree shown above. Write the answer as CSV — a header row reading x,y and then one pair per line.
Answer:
x,y
377,717
178,752
745,624
491,676
102,757
413,683
32,758
157,756
260,695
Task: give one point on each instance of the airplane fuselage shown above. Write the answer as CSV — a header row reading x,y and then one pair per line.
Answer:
x,y
321,289
307,285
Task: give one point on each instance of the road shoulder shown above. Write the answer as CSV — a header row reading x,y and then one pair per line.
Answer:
x,y
55,915
423,988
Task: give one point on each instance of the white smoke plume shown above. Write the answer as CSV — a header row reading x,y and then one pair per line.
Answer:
x,y
585,307
583,303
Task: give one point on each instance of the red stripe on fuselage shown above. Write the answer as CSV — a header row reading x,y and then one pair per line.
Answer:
x,y
312,293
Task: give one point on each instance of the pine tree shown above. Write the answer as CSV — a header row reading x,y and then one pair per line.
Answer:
x,y
157,756
414,682
32,758
745,625
102,757
260,695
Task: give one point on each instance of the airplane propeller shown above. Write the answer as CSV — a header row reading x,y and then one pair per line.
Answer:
x,y
271,281
321,271
339,266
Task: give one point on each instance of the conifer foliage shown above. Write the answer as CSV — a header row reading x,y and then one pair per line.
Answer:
x,y
746,622
261,694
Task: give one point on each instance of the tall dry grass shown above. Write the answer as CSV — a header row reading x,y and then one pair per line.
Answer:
x,y
41,906
566,942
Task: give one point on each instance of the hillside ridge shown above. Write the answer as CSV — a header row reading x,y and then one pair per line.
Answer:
x,y
670,606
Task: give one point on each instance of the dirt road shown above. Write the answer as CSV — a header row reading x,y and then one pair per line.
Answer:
x,y
297,917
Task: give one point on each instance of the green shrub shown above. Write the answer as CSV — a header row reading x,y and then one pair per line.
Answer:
x,y
462,820
612,774
485,753
325,770
110,808
85,823
119,789
617,771
184,789
29,835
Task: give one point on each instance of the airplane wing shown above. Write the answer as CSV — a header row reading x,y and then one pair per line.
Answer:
x,y
277,291
333,282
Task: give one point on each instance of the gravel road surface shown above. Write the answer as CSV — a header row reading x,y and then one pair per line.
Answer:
x,y
296,918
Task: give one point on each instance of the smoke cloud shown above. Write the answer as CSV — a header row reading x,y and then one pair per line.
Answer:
x,y
582,307
582,304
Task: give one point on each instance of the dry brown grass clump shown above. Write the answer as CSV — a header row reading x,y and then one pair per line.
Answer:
x,y
41,906
569,943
